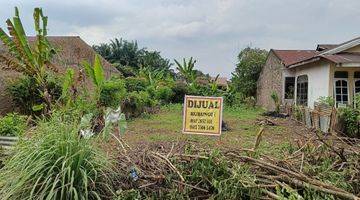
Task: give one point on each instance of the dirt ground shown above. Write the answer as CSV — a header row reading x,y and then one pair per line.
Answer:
x,y
244,123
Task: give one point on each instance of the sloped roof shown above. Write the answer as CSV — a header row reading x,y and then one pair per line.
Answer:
x,y
330,52
222,81
71,52
289,57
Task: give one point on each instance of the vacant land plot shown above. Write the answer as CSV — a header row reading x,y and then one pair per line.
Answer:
x,y
244,124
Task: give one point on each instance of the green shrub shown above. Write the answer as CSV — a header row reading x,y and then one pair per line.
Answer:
x,y
55,163
12,125
275,97
112,93
135,84
26,93
164,94
137,102
233,98
327,101
180,90
351,118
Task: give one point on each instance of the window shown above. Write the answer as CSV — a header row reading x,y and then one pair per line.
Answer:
x,y
302,90
341,87
289,87
357,86
341,91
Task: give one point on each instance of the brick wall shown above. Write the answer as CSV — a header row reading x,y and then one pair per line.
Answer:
x,y
270,80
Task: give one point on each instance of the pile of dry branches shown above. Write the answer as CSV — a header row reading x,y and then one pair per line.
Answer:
x,y
158,168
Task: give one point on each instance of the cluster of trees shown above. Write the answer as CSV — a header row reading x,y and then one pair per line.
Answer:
x,y
128,58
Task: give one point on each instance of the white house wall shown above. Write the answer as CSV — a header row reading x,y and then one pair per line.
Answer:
x,y
318,80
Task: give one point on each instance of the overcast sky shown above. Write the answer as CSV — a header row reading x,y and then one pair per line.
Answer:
x,y
212,31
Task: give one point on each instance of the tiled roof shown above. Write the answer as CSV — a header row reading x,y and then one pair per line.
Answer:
x,y
289,57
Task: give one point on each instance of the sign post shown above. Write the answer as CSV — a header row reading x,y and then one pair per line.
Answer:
x,y
202,115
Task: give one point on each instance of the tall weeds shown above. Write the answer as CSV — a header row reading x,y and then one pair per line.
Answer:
x,y
55,163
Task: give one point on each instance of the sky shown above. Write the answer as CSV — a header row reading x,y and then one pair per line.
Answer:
x,y
211,31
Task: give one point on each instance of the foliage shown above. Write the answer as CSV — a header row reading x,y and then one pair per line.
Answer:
x,y
126,55
30,60
136,103
248,68
12,124
164,94
180,89
327,101
55,163
298,114
351,119
274,96
26,95
112,93
186,70
135,84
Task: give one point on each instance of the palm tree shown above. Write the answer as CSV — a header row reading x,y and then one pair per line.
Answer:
x,y
187,70
30,61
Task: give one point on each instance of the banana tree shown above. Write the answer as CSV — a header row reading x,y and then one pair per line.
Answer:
x,y
213,84
31,60
187,70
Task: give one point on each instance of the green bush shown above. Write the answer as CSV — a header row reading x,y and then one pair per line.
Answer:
x,y
112,93
327,101
351,118
137,102
180,90
164,94
55,163
12,125
135,84
26,93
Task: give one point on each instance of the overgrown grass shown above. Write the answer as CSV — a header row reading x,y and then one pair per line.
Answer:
x,y
55,163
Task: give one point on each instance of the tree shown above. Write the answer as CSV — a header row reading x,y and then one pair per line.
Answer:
x,y
29,60
186,70
128,58
248,68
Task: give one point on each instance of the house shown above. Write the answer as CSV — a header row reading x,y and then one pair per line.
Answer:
x,y
301,77
71,51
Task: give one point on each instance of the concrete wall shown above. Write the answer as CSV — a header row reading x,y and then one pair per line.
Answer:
x,y
318,80
271,79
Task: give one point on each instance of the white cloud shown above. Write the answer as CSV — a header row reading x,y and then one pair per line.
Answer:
x,y
213,31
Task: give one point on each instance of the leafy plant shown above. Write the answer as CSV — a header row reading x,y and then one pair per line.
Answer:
x,y
274,96
12,124
186,69
351,119
247,71
31,61
55,163
327,101
26,95
112,93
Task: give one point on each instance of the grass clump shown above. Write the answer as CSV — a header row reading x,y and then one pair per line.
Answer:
x,y
55,163
12,124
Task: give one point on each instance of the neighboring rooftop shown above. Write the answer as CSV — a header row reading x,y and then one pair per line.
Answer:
x,y
336,53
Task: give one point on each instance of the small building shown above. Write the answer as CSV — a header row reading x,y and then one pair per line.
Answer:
x,y
71,52
301,77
